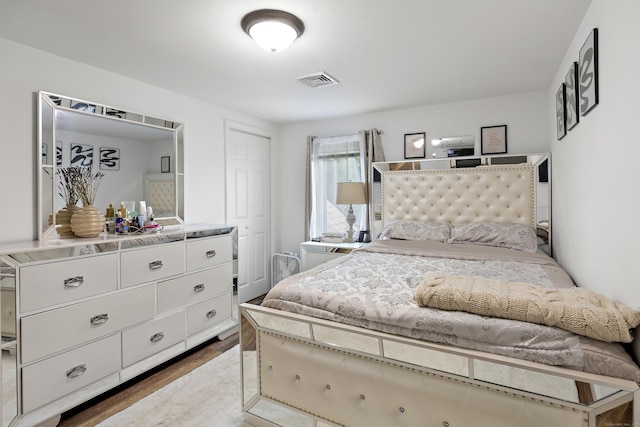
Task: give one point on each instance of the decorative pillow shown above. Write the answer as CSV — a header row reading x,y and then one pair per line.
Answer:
x,y
417,230
502,234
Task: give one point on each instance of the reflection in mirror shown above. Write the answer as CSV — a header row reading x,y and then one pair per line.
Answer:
x,y
454,364
126,147
9,343
345,339
453,146
249,359
9,384
542,179
279,415
281,324
536,382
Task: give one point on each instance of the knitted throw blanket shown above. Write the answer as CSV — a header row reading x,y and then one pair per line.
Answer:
x,y
577,310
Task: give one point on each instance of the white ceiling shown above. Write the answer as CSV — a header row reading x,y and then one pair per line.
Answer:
x,y
387,54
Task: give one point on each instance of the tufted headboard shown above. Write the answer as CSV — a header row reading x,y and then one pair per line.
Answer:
x,y
498,193
160,194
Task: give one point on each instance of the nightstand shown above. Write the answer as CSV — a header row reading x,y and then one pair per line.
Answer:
x,y
316,253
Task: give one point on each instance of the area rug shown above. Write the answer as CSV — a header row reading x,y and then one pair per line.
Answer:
x,y
207,396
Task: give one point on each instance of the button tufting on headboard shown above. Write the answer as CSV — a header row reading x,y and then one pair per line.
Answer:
x,y
491,193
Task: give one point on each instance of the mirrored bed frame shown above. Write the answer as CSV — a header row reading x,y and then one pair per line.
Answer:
x,y
299,370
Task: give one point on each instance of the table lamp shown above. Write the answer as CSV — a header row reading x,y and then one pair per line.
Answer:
x,y
350,193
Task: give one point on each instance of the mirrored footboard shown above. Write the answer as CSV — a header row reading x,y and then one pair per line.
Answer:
x,y
302,371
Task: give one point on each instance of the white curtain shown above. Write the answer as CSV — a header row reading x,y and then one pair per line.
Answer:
x,y
338,159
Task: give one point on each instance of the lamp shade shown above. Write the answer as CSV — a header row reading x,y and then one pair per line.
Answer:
x,y
350,193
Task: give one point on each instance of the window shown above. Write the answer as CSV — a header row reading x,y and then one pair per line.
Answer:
x,y
333,160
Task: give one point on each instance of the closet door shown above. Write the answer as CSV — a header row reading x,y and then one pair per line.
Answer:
x,y
249,208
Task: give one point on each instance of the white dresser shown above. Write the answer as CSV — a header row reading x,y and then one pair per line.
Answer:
x,y
93,313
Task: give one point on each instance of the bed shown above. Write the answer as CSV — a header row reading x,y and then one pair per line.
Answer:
x,y
346,343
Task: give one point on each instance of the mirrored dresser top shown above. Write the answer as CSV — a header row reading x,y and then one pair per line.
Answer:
x,y
59,248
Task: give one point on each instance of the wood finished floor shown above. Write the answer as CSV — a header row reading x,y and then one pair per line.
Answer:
x,y
102,407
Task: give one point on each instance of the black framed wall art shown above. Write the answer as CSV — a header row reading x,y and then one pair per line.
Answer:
x,y
414,145
571,97
493,139
588,73
561,117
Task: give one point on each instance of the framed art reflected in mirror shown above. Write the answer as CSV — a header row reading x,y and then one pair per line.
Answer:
x,y
165,164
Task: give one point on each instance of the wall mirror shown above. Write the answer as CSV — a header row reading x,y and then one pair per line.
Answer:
x,y
140,156
542,180
453,146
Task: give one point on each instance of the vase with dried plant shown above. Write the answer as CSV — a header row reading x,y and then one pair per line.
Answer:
x,y
68,190
89,220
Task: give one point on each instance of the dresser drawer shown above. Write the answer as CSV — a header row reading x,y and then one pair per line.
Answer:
x,y
56,330
208,252
193,288
55,377
64,281
151,337
208,313
151,263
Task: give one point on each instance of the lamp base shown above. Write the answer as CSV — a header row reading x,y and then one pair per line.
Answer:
x,y
351,219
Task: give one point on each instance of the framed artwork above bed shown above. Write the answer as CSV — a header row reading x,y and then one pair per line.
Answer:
x,y
414,145
493,139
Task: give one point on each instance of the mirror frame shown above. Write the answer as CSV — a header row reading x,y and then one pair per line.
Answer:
x,y
50,106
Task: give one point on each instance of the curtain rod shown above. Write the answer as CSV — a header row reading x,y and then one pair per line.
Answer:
x,y
379,131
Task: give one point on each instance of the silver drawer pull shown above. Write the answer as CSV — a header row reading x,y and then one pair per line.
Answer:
x,y
211,253
73,282
154,265
76,371
99,319
199,288
211,314
156,337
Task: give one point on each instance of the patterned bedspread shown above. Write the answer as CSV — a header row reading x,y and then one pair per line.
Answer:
x,y
373,288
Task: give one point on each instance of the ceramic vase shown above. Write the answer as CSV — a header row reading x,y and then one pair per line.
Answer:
x,y
87,222
63,220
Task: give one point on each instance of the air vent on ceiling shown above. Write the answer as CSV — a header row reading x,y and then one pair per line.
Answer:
x,y
319,79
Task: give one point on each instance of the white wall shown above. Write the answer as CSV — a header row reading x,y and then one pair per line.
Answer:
x,y
596,169
25,71
526,116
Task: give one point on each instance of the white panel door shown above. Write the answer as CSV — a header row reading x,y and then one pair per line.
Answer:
x,y
248,208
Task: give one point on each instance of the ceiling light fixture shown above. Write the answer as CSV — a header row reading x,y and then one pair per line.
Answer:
x,y
273,30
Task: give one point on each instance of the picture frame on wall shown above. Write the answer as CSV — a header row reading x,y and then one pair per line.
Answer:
x,y
571,97
414,145
81,155
493,139
165,164
109,159
588,73
561,128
